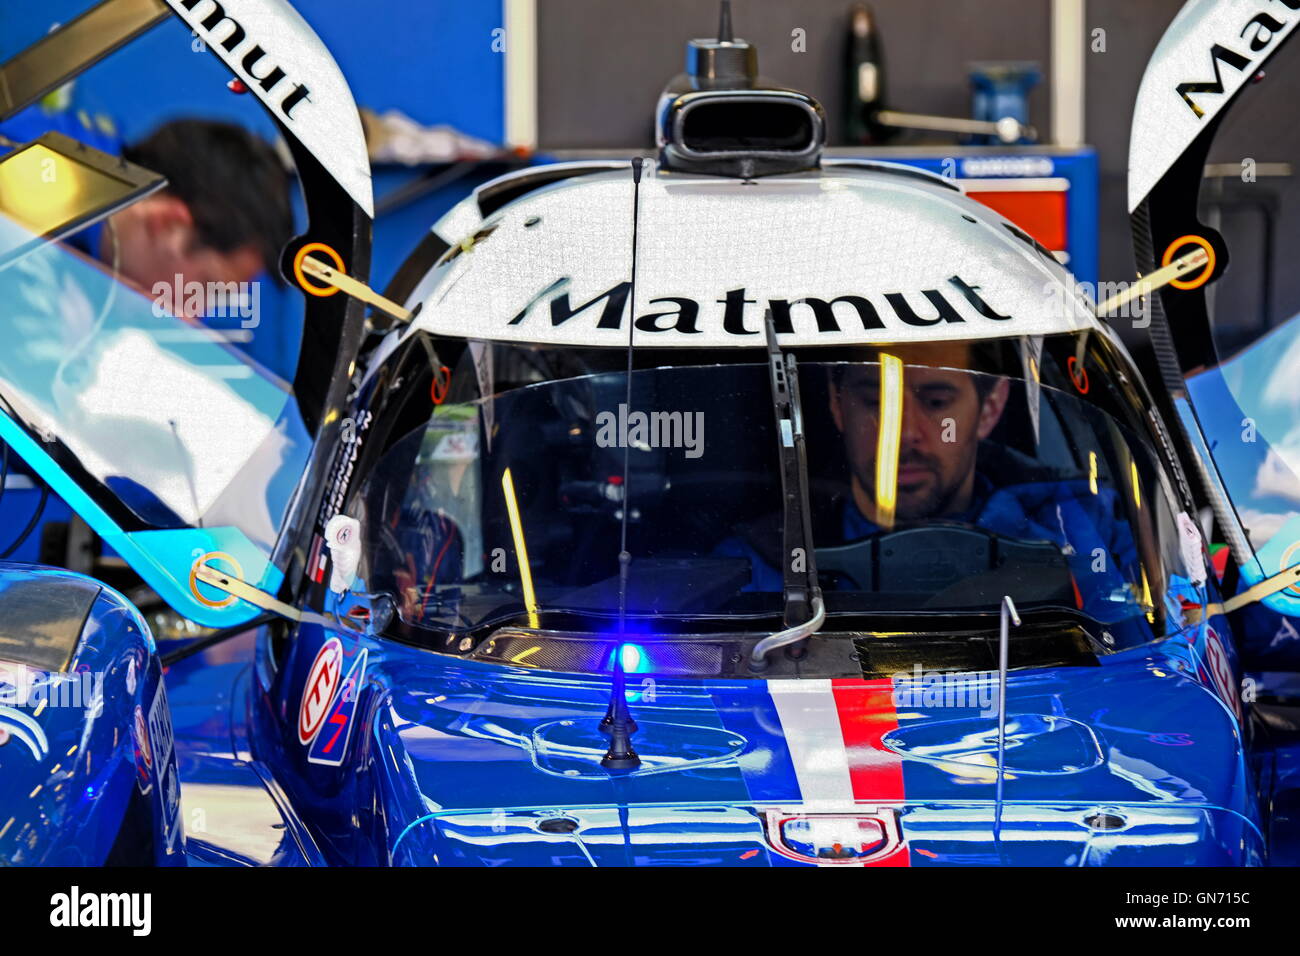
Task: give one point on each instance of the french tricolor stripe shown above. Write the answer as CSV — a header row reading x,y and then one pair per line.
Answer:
x,y
810,721
833,731
318,558
867,714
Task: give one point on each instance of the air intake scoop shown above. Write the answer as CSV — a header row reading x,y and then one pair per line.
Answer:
x,y
721,118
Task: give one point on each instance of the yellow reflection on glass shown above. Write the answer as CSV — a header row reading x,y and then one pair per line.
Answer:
x,y
890,438
41,190
521,548
1092,472
1146,597
1137,489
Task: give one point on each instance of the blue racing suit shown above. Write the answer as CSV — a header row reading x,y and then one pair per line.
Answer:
x,y
1089,528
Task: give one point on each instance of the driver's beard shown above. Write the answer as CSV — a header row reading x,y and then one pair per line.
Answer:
x,y
937,500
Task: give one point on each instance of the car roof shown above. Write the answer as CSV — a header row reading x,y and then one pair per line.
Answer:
x,y
842,255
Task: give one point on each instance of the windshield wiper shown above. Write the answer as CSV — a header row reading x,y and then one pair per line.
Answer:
x,y
802,595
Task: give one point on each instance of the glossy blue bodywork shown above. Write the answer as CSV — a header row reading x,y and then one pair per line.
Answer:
x,y
86,756
447,761
460,762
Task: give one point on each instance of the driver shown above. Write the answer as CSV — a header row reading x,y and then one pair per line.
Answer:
x,y
946,414
945,473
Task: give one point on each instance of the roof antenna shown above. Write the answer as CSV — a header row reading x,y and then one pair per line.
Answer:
x,y
724,23
618,723
1009,616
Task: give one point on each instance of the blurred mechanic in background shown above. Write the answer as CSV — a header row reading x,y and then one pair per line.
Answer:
x,y
223,217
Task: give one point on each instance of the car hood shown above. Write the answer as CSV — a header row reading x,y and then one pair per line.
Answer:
x,y
1135,760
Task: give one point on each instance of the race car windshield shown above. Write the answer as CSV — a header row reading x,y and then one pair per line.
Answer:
x,y
933,488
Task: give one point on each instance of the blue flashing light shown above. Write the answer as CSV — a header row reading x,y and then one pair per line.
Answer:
x,y
634,657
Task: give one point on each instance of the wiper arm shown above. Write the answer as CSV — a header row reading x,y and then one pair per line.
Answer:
x,y
801,594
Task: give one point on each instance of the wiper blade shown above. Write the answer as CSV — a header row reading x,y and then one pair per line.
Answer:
x,y
801,594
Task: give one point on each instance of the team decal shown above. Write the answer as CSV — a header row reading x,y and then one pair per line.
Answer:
x,y
140,733
233,38
923,309
1213,50
319,559
159,746
329,703
276,56
318,692
130,678
331,741
1258,33
352,435
160,740
1216,662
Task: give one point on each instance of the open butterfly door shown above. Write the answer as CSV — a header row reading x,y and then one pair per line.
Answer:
x,y
175,447
1214,164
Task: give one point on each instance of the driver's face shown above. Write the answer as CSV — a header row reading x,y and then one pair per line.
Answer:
x,y
943,419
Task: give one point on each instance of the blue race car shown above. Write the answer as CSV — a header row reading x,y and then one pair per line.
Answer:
x,y
749,506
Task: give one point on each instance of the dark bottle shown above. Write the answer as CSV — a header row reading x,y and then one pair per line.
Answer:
x,y
864,80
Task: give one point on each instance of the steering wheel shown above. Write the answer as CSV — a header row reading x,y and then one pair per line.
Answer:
x,y
939,559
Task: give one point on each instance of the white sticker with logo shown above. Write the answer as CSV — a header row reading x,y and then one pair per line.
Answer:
x,y
457,447
1216,662
160,744
160,728
318,691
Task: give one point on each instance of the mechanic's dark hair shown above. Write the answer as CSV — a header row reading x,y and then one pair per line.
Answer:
x,y
233,182
987,356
